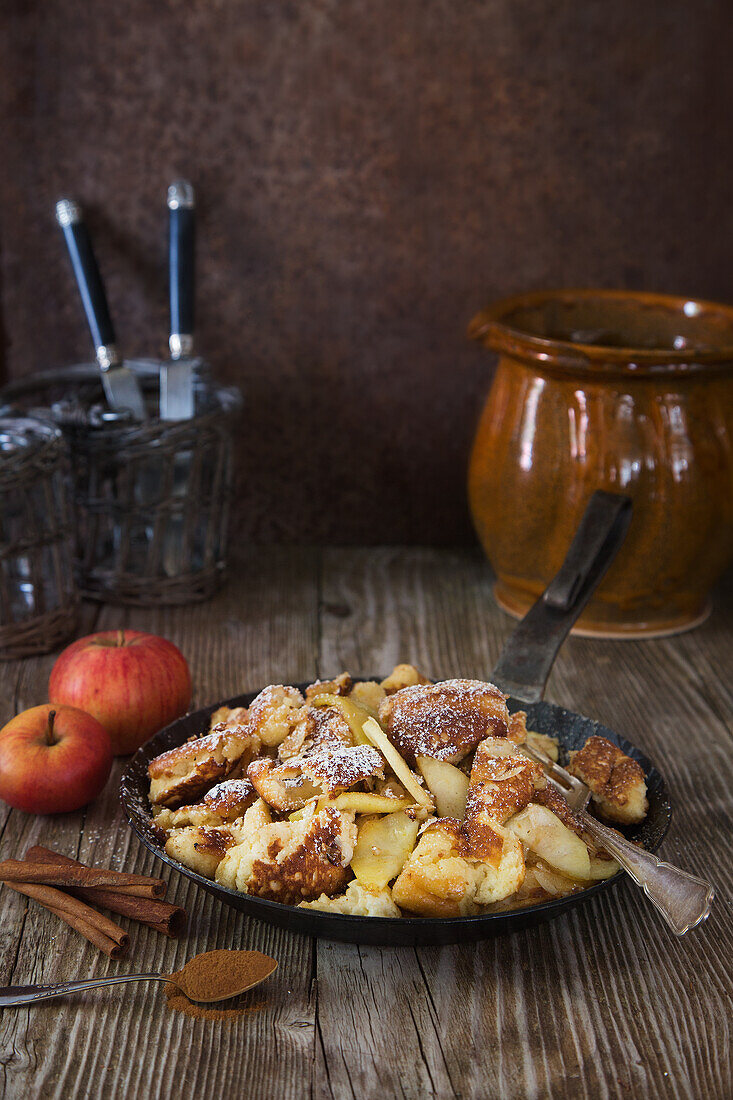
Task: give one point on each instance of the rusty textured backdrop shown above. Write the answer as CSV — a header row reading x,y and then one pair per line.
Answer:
x,y
369,175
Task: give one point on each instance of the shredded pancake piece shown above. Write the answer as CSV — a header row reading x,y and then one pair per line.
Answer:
x,y
223,803
340,685
616,781
444,877
402,676
292,861
357,902
446,720
503,781
185,773
316,727
323,771
274,712
201,847
230,717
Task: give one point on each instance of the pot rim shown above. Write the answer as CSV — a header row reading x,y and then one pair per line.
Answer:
x,y
490,328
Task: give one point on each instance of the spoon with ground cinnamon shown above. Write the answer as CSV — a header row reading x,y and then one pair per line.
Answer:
x,y
213,976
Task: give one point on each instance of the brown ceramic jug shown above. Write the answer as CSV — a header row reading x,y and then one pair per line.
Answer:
x,y
614,390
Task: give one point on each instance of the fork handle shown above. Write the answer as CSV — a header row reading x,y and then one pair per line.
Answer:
x,y
683,899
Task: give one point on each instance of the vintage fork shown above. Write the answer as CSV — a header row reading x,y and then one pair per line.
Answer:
x,y
683,899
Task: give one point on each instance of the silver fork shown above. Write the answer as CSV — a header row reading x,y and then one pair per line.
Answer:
x,y
683,899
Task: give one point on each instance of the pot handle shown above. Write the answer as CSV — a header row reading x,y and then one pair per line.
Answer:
x,y
529,654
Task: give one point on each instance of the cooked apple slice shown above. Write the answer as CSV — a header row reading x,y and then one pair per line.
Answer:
x,y
407,778
602,868
448,786
354,713
544,833
364,802
382,847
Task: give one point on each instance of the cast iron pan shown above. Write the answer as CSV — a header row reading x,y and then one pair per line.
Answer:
x,y
522,672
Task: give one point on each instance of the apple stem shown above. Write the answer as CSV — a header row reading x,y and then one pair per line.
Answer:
x,y
120,637
50,739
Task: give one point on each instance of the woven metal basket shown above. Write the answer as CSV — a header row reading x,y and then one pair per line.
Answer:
x,y
152,498
39,600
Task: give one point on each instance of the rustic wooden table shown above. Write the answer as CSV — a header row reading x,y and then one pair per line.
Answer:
x,y
602,1002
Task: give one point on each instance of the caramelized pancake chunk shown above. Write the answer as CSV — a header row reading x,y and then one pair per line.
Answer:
x,y
200,847
223,803
231,717
292,861
322,771
445,720
341,685
183,774
338,769
282,786
517,731
617,782
520,735
402,676
443,877
503,781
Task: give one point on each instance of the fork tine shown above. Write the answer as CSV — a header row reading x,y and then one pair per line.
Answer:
x,y
560,774
576,800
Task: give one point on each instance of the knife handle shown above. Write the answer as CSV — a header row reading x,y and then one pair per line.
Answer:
x,y
89,280
181,267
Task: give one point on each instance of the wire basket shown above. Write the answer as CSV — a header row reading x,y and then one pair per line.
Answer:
x,y
39,601
152,498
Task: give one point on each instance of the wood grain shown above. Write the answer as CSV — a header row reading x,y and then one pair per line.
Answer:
x,y
603,1002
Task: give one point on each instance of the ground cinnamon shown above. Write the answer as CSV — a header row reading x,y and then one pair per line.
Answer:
x,y
179,1002
218,974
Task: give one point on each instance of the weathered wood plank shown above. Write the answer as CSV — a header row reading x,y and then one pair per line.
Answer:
x,y
604,1001
376,1019
263,625
24,684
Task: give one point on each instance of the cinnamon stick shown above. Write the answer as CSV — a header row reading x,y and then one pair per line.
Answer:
x,y
160,915
16,870
98,929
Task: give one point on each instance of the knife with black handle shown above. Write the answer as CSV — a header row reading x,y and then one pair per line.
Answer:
x,y
177,374
121,385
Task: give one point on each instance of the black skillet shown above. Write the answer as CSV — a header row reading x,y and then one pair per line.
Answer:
x,y
522,671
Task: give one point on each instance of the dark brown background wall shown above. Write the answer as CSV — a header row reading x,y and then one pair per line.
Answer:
x,y
369,175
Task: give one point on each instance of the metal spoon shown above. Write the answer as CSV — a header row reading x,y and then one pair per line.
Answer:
x,y
28,994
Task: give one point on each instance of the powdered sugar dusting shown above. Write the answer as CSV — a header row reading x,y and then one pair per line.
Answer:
x,y
444,720
341,767
231,790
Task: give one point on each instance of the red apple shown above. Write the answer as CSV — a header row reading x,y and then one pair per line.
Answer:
x,y
53,759
131,682
134,683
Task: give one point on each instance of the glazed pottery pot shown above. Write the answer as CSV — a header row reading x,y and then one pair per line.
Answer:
x,y
614,390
